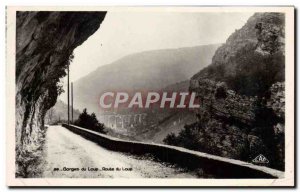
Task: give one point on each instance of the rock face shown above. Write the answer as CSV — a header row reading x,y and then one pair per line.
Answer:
x,y
225,103
252,59
242,94
45,42
277,99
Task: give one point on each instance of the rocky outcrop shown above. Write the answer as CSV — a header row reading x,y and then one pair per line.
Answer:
x,y
45,42
277,99
242,94
216,98
252,59
236,126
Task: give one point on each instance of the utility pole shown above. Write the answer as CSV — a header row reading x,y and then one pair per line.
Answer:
x,y
68,94
72,101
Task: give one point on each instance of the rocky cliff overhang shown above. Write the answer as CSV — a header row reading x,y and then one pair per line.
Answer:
x,y
45,43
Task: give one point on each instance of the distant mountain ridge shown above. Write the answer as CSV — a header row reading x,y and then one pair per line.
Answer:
x,y
149,70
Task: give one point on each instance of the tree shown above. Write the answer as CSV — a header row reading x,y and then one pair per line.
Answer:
x,y
90,121
171,139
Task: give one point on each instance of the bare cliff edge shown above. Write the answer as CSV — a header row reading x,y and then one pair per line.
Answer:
x,y
45,42
242,94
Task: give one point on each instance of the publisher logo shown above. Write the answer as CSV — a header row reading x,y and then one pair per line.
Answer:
x,y
260,159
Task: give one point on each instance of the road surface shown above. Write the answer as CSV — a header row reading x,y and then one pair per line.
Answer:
x,y
66,153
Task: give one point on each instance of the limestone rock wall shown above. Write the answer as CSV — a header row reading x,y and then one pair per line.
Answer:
x,y
44,47
277,99
226,105
240,127
242,93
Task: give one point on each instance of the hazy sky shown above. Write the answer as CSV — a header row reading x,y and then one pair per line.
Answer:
x,y
124,33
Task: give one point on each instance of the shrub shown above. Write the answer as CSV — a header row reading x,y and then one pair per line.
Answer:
x,y
171,139
188,138
89,121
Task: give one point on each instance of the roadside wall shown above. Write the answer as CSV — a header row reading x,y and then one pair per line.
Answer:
x,y
217,167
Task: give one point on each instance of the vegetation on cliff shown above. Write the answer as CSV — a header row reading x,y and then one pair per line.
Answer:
x,y
242,96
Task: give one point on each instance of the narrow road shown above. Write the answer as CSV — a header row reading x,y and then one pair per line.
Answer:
x,y
66,153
